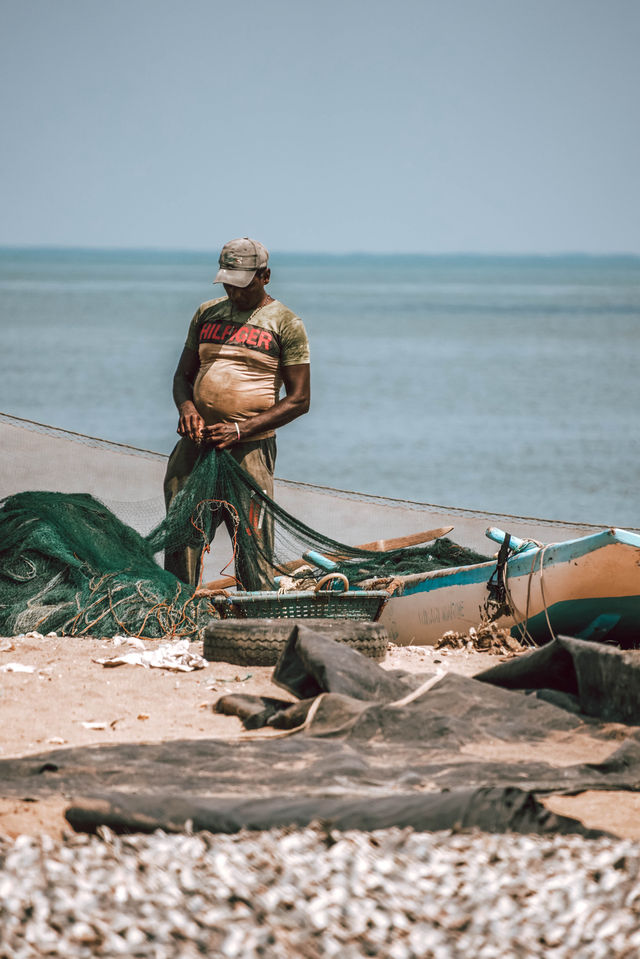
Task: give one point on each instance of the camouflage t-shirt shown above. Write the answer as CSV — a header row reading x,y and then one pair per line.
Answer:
x,y
241,357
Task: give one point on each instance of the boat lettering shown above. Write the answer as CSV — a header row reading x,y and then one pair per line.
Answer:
x,y
441,614
452,611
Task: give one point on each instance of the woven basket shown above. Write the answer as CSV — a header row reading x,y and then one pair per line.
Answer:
x,y
365,605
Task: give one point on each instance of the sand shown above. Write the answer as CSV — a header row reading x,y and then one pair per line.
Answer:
x,y
69,699
47,708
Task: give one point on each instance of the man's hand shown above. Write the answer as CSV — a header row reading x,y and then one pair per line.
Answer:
x,y
296,381
191,423
222,435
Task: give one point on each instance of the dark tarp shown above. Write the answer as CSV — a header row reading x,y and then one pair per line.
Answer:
x,y
487,809
462,753
602,681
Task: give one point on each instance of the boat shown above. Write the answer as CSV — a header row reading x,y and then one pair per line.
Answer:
x,y
587,587
564,577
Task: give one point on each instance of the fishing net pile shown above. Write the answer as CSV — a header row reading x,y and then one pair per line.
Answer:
x,y
69,565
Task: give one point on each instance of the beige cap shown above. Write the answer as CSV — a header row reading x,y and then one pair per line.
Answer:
x,y
239,260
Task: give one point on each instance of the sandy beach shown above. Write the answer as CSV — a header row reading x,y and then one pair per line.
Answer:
x,y
288,892
67,698
55,693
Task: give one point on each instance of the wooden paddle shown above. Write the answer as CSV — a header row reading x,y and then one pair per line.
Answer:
x,y
377,546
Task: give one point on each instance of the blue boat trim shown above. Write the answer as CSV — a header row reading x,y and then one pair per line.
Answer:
x,y
521,564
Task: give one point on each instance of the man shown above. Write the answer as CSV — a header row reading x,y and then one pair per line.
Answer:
x,y
240,350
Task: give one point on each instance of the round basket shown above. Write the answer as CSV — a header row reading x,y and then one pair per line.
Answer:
x,y
302,604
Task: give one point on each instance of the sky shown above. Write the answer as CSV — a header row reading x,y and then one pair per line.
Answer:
x,y
426,126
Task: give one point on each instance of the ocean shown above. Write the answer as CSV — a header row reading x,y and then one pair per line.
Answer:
x,y
486,382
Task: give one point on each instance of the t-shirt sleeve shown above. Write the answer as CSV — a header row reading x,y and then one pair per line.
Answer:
x,y
294,343
192,341
193,336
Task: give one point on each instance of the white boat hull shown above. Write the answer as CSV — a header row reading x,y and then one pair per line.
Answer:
x,y
587,584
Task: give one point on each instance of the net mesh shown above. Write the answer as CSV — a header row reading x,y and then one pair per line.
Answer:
x,y
69,565
441,554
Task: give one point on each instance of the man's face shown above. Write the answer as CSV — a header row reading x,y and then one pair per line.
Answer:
x,y
248,297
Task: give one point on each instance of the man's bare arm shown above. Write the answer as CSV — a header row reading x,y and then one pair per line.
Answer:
x,y
295,402
191,423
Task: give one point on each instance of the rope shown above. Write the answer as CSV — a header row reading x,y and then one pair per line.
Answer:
x,y
544,601
525,636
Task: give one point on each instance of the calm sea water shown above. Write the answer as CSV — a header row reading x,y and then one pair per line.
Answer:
x,y
507,384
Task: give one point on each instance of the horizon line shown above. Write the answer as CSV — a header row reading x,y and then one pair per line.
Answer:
x,y
531,254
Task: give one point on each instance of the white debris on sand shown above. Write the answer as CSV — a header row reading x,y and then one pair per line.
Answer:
x,y
316,893
174,655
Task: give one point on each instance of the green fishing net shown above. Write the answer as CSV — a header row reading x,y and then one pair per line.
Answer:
x,y
69,565
441,554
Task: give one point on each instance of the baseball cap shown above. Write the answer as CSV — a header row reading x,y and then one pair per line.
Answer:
x,y
239,260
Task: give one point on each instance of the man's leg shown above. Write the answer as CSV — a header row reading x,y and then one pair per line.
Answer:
x,y
258,459
183,563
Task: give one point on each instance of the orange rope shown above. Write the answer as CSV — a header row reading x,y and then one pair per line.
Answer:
x,y
207,546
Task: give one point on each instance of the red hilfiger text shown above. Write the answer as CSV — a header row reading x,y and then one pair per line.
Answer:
x,y
234,335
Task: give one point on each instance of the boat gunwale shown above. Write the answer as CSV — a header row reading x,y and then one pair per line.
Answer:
x,y
520,564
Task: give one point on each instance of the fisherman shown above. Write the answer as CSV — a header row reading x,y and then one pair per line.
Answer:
x,y
240,350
